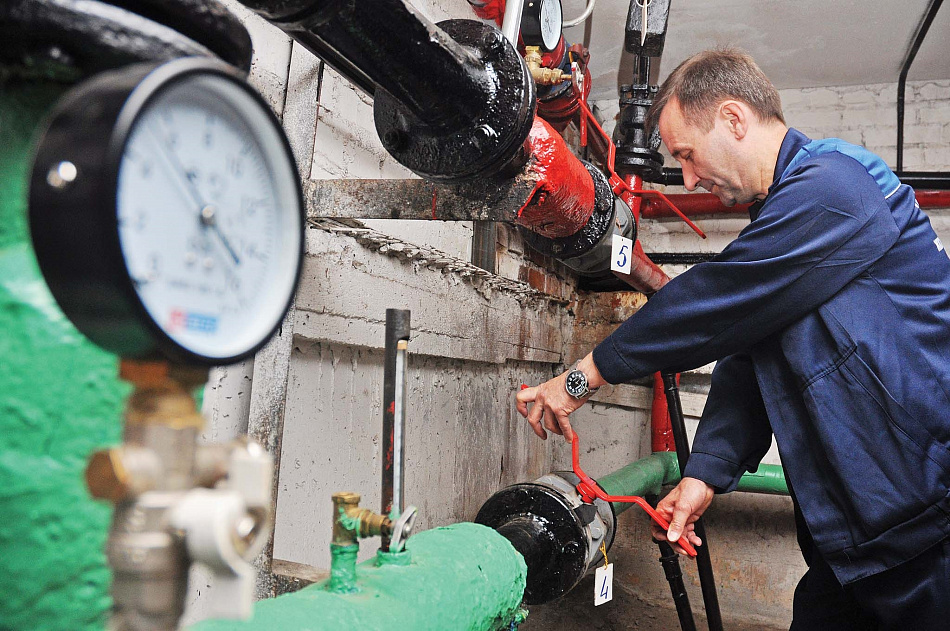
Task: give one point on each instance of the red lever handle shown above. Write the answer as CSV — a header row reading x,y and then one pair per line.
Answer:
x,y
589,489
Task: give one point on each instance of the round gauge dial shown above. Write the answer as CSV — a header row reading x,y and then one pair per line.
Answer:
x,y
541,23
194,219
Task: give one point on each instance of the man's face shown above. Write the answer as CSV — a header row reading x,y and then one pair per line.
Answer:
x,y
709,159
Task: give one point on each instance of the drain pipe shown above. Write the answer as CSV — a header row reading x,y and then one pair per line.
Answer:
x,y
905,68
703,562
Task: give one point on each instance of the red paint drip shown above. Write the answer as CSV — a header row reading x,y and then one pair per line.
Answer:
x,y
662,426
563,199
392,408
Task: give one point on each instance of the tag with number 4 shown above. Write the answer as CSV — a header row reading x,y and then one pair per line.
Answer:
x,y
621,248
604,584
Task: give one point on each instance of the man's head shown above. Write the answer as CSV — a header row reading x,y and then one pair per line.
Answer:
x,y
721,118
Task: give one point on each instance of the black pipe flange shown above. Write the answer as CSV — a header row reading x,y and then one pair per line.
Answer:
x,y
68,40
595,232
546,531
472,149
636,145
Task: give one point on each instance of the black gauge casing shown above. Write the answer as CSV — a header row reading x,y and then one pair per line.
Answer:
x,y
532,24
74,226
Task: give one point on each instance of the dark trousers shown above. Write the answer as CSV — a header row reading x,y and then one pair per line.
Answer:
x,y
912,596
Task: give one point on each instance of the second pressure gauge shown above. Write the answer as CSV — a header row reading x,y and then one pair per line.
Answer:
x,y
166,213
541,23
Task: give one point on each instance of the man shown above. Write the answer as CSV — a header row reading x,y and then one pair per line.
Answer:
x,y
830,317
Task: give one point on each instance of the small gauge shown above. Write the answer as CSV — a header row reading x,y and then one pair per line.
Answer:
x,y
166,212
541,23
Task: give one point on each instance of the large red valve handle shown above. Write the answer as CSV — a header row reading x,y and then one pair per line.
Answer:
x,y
589,489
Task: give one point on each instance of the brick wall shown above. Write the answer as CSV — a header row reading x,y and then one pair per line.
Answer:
x,y
867,115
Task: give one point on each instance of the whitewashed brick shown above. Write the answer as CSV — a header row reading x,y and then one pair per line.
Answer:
x,y
940,113
862,97
821,97
879,137
871,117
932,91
922,134
815,119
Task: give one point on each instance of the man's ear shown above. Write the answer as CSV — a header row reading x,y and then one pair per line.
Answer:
x,y
736,117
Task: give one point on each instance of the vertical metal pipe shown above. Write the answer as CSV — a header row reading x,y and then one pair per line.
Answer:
x,y
703,561
399,428
905,68
511,23
484,242
397,333
674,576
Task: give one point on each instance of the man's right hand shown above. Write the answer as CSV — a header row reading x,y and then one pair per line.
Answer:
x,y
681,508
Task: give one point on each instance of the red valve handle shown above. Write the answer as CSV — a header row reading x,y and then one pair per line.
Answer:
x,y
589,489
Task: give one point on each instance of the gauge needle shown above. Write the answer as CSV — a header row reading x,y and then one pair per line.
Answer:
x,y
208,220
206,212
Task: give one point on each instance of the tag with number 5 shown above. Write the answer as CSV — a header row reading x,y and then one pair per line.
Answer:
x,y
621,250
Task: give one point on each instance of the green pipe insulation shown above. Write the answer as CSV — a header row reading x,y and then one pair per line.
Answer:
x,y
59,400
464,576
647,476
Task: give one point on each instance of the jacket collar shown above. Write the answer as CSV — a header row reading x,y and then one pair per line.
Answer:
x,y
793,141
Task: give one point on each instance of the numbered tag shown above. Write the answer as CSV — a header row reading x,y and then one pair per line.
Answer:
x,y
620,252
604,582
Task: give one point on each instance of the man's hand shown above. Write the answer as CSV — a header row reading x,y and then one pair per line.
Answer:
x,y
681,508
552,403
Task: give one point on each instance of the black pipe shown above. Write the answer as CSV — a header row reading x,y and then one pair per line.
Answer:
x,y
922,29
703,562
372,35
453,101
919,180
674,575
397,329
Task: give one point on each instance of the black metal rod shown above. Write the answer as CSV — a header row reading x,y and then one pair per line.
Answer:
x,y
387,44
484,243
397,330
920,180
674,575
707,581
922,29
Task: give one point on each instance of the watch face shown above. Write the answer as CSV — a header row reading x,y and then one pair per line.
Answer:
x,y
209,218
576,383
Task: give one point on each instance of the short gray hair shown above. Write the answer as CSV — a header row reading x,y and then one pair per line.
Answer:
x,y
707,79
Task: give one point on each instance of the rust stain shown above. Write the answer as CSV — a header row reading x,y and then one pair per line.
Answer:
x,y
435,194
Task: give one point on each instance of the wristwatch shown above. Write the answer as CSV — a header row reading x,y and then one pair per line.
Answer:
x,y
576,384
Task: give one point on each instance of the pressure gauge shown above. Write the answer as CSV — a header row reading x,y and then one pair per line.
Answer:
x,y
166,212
541,23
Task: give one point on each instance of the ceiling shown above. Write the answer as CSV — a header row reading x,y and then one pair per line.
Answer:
x,y
798,43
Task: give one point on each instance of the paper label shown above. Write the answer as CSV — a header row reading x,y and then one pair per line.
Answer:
x,y
604,583
620,252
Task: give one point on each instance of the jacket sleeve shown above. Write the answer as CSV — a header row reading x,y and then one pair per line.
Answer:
x,y
821,227
734,432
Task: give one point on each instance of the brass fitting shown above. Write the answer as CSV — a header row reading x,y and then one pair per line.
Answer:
x,y
543,76
163,393
352,523
122,473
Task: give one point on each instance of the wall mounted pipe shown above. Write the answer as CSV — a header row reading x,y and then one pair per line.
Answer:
x,y
922,180
394,414
452,102
697,204
463,576
703,561
918,40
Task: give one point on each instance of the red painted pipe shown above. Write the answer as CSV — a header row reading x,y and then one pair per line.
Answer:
x,y
693,204
563,198
489,9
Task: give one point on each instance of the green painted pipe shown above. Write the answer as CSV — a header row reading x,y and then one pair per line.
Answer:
x,y
647,476
464,576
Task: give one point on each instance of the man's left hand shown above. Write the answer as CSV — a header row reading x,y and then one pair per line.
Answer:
x,y
553,405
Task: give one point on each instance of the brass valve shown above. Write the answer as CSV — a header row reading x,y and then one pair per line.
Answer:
x,y
543,76
352,523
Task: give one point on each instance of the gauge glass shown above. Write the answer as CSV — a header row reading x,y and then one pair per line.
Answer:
x,y
551,23
209,216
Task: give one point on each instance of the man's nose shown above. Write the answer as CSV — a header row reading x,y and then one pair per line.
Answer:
x,y
689,178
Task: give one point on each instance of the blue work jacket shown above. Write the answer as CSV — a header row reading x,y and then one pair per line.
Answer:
x,y
830,317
